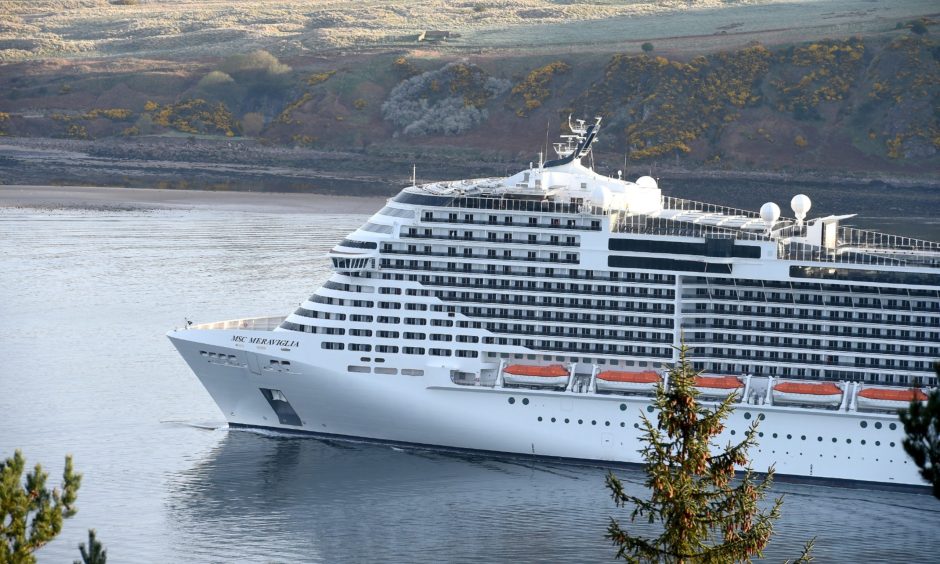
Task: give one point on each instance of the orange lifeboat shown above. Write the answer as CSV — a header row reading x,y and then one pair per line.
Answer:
x,y
553,375
808,393
718,386
619,381
530,370
889,398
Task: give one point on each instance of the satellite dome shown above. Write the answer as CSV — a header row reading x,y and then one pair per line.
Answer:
x,y
800,205
770,213
646,182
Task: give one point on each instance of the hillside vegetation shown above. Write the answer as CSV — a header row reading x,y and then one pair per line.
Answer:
x,y
838,104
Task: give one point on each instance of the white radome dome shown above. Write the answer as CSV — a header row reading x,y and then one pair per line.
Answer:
x,y
646,182
801,205
770,213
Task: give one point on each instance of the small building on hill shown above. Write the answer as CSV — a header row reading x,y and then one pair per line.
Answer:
x,y
434,35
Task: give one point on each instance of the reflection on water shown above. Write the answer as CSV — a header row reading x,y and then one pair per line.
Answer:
x,y
85,300
338,501
331,501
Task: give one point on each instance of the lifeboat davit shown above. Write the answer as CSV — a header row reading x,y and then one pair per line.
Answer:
x,y
718,386
808,393
636,382
553,375
889,398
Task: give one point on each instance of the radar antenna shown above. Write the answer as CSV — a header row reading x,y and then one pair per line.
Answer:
x,y
579,129
576,145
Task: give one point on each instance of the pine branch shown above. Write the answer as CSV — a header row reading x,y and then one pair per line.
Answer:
x,y
706,518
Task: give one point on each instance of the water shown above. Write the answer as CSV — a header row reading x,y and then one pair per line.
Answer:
x,y
85,299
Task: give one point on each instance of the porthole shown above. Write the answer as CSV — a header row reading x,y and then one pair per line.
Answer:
x,y
606,423
877,443
789,436
864,424
733,432
819,439
863,441
802,437
747,415
893,426
761,417
848,441
580,421
892,444
774,435
636,425
567,420
540,417
525,401
760,434
649,409
593,422
622,424
835,440
877,424
623,407
553,419
512,401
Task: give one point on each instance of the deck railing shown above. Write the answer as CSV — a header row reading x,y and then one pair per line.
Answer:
x,y
252,324
671,203
653,225
853,246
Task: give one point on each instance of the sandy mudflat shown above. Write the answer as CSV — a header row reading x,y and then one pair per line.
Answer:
x,y
97,198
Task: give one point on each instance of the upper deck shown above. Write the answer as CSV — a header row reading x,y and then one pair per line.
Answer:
x,y
821,239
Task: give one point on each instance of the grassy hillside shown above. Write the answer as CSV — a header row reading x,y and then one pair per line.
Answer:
x,y
844,104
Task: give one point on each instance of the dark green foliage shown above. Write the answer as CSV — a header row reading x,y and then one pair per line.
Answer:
x,y
647,47
922,443
919,27
95,553
706,515
666,105
257,75
258,63
529,94
30,514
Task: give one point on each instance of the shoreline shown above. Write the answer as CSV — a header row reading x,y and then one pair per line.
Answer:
x,y
103,198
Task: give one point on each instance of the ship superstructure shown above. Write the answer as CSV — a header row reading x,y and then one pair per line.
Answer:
x,y
536,314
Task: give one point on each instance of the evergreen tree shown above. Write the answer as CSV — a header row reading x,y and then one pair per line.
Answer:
x,y
30,514
922,425
706,516
96,554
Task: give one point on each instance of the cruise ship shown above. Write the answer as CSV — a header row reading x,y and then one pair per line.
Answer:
x,y
536,314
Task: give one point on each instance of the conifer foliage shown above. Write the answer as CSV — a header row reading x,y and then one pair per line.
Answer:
x,y
706,515
94,553
31,515
922,426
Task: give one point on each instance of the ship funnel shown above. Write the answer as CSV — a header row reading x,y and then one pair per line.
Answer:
x,y
800,205
770,213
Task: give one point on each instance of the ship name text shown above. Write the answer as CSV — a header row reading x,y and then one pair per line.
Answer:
x,y
265,341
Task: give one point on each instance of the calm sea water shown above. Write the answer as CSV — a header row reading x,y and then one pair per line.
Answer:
x,y
85,299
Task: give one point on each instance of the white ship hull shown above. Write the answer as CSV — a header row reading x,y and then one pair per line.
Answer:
x,y
431,410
